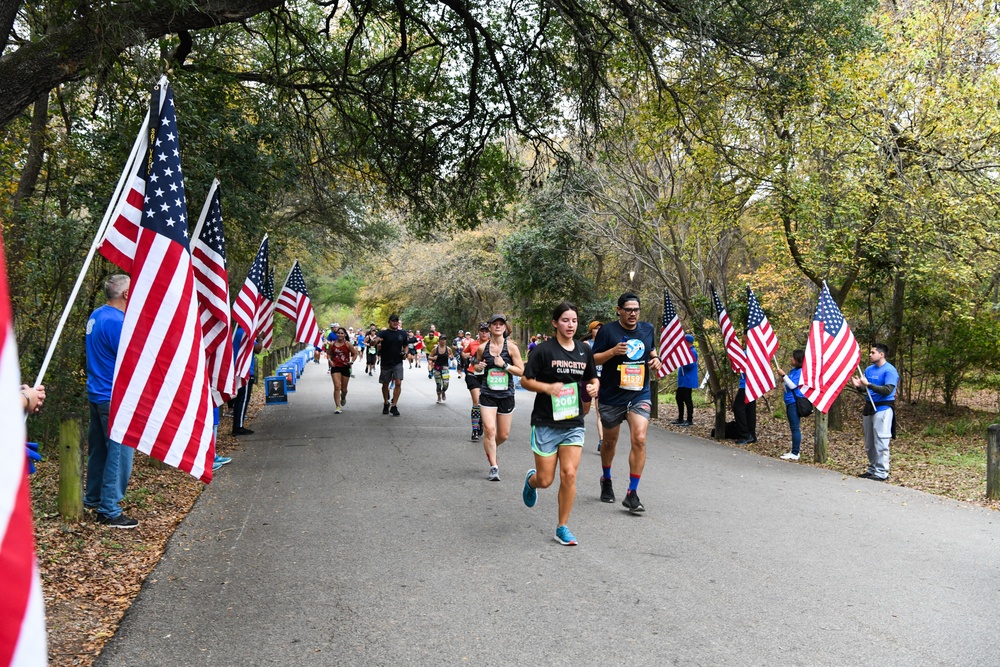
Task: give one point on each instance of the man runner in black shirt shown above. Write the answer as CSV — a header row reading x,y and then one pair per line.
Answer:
x,y
393,343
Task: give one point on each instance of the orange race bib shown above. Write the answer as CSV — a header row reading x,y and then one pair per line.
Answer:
x,y
632,376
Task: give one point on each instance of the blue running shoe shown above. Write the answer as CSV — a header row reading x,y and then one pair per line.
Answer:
x,y
220,461
529,494
564,537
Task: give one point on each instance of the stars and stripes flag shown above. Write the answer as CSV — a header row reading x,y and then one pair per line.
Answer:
x,y
22,608
212,284
118,244
761,347
294,303
832,354
674,349
266,334
737,360
160,398
248,311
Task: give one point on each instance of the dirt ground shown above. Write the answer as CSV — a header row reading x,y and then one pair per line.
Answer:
x,y
91,574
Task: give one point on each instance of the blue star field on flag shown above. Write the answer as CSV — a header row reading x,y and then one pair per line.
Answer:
x,y
165,207
828,313
296,281
211,233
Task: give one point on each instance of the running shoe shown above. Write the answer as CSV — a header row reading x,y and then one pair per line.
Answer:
x,y
677,422
632,503
120,521
564,537
337,411
394,411
790,456
607,491
529,494
475,436
385,409
220,461
494,475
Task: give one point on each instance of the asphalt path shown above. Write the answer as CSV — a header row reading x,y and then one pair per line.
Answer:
x,y
363,539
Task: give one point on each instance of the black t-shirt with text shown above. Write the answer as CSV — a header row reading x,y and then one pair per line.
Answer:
x,y
550,362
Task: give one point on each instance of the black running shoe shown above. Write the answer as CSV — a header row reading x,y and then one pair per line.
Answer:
x,y
607,491
394,411
385,409
475,436
120,521
632,503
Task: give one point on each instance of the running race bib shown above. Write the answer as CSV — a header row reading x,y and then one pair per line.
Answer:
x,y
633,376
567,404
444,374
496,379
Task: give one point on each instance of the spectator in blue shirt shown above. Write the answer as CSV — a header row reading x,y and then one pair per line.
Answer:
x,y
879,384
242,400
109,463
687,382
792,392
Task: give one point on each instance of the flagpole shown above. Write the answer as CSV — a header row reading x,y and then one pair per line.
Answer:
x,y
119,189
867,393
285,284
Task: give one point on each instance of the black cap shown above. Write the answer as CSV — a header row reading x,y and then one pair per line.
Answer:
x,y
483,326
496,317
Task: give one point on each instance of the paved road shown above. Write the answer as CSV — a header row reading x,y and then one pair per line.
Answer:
x,y
362,539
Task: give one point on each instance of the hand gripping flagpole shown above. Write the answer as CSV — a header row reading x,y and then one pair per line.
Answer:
x,y
867,392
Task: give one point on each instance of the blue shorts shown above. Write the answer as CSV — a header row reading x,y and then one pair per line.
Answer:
x,y
546,440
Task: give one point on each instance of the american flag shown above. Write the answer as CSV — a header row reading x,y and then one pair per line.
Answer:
x,y
22,608
266,334
118,245
674,349
294,303
761,346
248,311
212,283
832,354
160,399
737,360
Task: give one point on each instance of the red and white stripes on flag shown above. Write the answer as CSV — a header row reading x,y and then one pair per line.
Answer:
x,y
22,608
737,360
160,399
212,283
248,311
674,349
294,303
832,354
118,245
762,344
266,334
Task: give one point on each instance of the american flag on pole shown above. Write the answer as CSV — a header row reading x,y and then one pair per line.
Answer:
x,y
248,311
674,349
832,354
22,608
737,360
212,283
761,347
160,399
118,245
294,303
266,334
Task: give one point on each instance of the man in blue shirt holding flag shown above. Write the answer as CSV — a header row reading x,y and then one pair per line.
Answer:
x,y
879,383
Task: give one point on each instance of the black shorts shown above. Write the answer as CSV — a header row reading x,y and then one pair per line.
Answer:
x,y
343,370
504,406
473,381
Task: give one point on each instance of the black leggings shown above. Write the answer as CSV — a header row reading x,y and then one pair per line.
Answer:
x,y
684,398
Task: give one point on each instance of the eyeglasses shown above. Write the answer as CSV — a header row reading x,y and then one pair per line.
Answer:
x,y
630,311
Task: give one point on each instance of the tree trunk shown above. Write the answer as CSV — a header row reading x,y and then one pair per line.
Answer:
x,y
29,179
822,440
894,341
835,417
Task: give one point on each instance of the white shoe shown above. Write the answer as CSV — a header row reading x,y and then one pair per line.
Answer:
x,y
790,457
494,475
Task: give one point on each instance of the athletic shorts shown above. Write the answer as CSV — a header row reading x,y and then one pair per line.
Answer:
x,y
473,381
613,415
503,406
390,373
546,440
371,358
343,370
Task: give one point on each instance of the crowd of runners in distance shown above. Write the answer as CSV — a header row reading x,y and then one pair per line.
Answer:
x,y
608,372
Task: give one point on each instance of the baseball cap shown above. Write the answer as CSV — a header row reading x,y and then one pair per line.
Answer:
x,y
497,316
593,325
483,326
394,318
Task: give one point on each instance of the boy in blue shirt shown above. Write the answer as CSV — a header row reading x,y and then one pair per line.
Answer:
x,y
879,383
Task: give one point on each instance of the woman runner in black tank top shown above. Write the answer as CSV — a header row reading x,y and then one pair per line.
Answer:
x,y
499,360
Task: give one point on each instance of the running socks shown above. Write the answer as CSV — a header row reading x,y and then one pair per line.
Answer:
x,y
476,415
607,473
633,482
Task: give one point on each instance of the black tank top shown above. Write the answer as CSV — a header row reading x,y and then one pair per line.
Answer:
x,y
493,366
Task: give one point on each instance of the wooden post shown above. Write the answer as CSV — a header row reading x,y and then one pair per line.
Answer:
x,y
721,400
654,387
70,498
822,440
993,461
